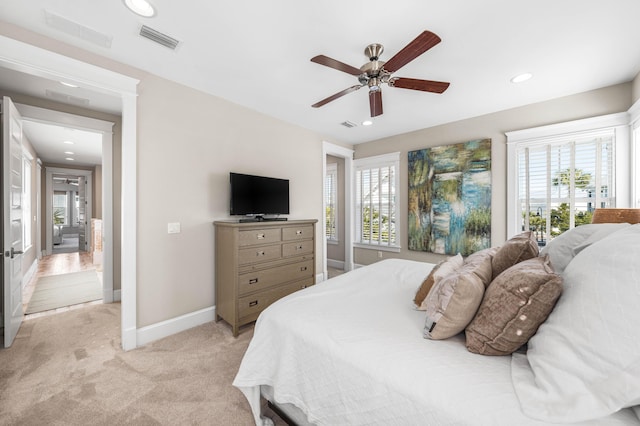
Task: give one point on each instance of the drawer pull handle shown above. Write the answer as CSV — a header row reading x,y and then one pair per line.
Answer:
x,y
260,253
299,232
253,280
254,303
303,268
260,236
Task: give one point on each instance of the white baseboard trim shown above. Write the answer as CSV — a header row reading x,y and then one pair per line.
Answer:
x,y
175,325
117,295
337,264
129,339
319,277
30,273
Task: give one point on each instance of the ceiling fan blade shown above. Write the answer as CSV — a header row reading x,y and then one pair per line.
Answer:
x,y
375,103
415,84
332,63
336,96
417,47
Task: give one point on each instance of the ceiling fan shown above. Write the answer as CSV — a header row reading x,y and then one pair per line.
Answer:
x,y
375,72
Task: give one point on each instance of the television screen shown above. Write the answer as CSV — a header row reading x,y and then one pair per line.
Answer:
x,y
258,195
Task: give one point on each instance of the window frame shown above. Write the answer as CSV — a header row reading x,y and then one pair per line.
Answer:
x,y
616,124
377,162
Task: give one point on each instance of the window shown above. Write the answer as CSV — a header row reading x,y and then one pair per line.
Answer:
x,y
60,207
331,201
26,202
556,182
376,200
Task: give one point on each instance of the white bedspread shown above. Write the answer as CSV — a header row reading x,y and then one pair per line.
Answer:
x,y
350,351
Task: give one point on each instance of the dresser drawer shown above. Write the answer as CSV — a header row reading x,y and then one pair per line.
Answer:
x,y
256,303
296,248
258,236
268,277
259,254
297,233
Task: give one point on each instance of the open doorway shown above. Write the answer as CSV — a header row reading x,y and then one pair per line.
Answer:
x,y
71,205
336,226
69,273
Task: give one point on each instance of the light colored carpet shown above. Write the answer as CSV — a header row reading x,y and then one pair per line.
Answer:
x,y
57,291
69,369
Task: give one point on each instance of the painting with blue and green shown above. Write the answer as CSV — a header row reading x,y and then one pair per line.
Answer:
x,y
450,198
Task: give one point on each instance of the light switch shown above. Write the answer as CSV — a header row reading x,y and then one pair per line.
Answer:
x,y
173,228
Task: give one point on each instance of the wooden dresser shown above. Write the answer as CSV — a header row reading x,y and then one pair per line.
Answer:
x,y
258,263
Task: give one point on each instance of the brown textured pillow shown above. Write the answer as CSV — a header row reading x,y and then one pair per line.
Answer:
x,y
521,247
514,306
453,301
482,260
443,268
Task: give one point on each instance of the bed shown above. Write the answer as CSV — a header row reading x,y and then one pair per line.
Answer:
x,y
351,350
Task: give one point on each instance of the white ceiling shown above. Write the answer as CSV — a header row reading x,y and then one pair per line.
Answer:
x,y
52,143
257,53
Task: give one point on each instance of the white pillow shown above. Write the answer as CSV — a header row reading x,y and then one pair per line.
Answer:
x,y
564,247
584,361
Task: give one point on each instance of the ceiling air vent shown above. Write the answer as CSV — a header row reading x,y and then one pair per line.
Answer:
x,y
348,124
77,30
159,37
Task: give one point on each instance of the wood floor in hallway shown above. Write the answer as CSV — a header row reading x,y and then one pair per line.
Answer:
x,y
57,264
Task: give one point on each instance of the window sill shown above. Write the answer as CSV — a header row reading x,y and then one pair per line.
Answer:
x,y
394,249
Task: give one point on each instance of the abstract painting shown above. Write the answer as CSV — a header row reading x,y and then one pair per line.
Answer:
x,y
450,198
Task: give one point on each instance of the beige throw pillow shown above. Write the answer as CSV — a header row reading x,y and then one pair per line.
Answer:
x,y
453,301
521,247
514,306
443,268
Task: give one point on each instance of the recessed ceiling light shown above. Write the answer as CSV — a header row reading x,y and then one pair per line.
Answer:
x,y
69,159
64,83
141,7
68,152
367,123
521,77
68,142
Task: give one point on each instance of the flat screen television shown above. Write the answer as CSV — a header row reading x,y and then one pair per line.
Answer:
x,y
258,196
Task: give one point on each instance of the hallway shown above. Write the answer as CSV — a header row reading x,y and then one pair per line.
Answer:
x,y
57,264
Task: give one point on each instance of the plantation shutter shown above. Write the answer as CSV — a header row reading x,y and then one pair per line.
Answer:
x,y
561,182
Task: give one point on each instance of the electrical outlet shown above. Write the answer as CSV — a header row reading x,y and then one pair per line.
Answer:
x,y
173,228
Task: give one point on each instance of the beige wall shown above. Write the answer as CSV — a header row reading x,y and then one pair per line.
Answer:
x,y
597,102
635,92
188,142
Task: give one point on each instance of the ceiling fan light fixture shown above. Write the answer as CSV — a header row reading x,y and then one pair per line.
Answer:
x,y
141,7
520,78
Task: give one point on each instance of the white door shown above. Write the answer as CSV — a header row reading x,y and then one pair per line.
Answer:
x,y
11,219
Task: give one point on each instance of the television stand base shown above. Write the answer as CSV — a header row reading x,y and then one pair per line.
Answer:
x,y
262,219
